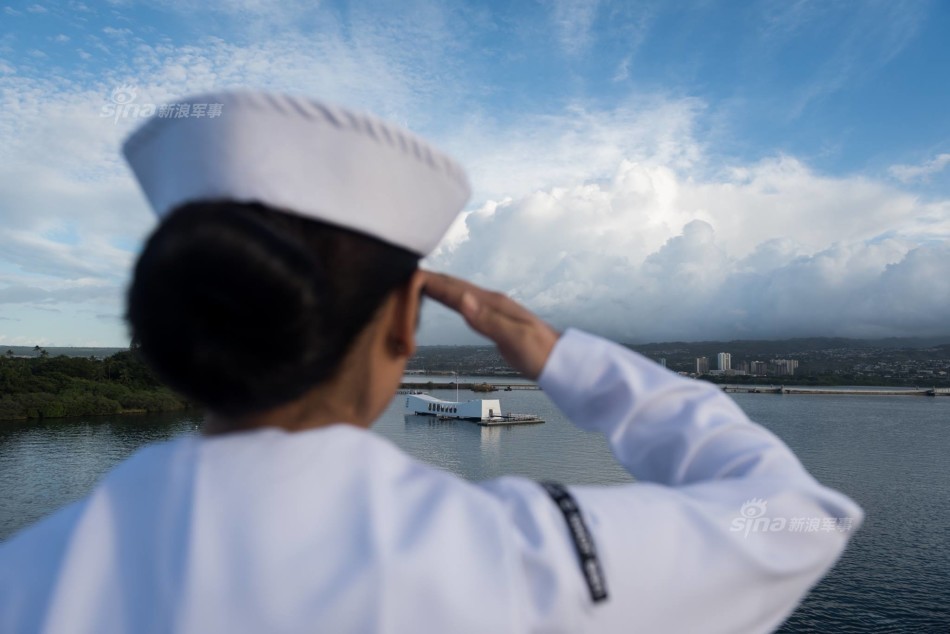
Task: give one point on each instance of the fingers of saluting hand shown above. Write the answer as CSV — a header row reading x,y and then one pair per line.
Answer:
x,y
446,289
488,312
522,338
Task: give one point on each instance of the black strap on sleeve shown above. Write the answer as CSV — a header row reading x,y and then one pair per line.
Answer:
x,y
583,543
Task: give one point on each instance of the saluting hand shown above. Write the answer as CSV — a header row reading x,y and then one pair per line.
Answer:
x,y
524,340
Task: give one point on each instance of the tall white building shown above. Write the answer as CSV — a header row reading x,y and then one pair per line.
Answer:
x,y
783,367
702,365
724,360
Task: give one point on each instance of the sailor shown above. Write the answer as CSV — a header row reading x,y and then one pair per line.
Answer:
x,y
281,290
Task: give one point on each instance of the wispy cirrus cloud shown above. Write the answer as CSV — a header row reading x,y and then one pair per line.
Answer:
x,y
921,172
573,21
855,43
71,212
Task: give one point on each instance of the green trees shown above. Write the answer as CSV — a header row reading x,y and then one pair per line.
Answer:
x,y
54,387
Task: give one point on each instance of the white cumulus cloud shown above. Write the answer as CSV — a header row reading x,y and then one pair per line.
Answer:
x,y
616,218
767,250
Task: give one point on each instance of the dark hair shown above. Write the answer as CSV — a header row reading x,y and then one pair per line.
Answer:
x,y
241,307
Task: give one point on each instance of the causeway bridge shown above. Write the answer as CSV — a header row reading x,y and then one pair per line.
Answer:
x,y
500,386
758,389
475,386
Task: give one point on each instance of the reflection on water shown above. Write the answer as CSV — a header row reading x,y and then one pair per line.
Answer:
x,y
455,444
889,453
553,450
47,464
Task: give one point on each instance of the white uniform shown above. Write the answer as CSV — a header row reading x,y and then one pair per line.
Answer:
x,y
336,530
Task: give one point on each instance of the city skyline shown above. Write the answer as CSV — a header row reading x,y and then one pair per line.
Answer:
x,y
704,171
772,367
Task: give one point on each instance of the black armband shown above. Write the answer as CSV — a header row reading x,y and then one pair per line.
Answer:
x,y
583,542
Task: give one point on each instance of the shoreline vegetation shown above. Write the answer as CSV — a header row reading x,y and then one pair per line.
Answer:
x,y
75,382
44,386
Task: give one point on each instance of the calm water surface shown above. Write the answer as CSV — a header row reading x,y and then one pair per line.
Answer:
x,y
888,453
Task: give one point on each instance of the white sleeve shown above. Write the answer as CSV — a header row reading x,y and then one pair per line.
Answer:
x,y
724,530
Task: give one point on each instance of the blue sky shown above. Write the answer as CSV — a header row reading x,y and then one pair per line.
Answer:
x,y
658,170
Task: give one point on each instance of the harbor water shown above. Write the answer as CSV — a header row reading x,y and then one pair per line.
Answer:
x,y
888,453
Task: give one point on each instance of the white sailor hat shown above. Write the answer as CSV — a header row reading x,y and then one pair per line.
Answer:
x,y
301,156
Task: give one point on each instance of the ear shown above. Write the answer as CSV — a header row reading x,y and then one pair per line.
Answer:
x,y
407,302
